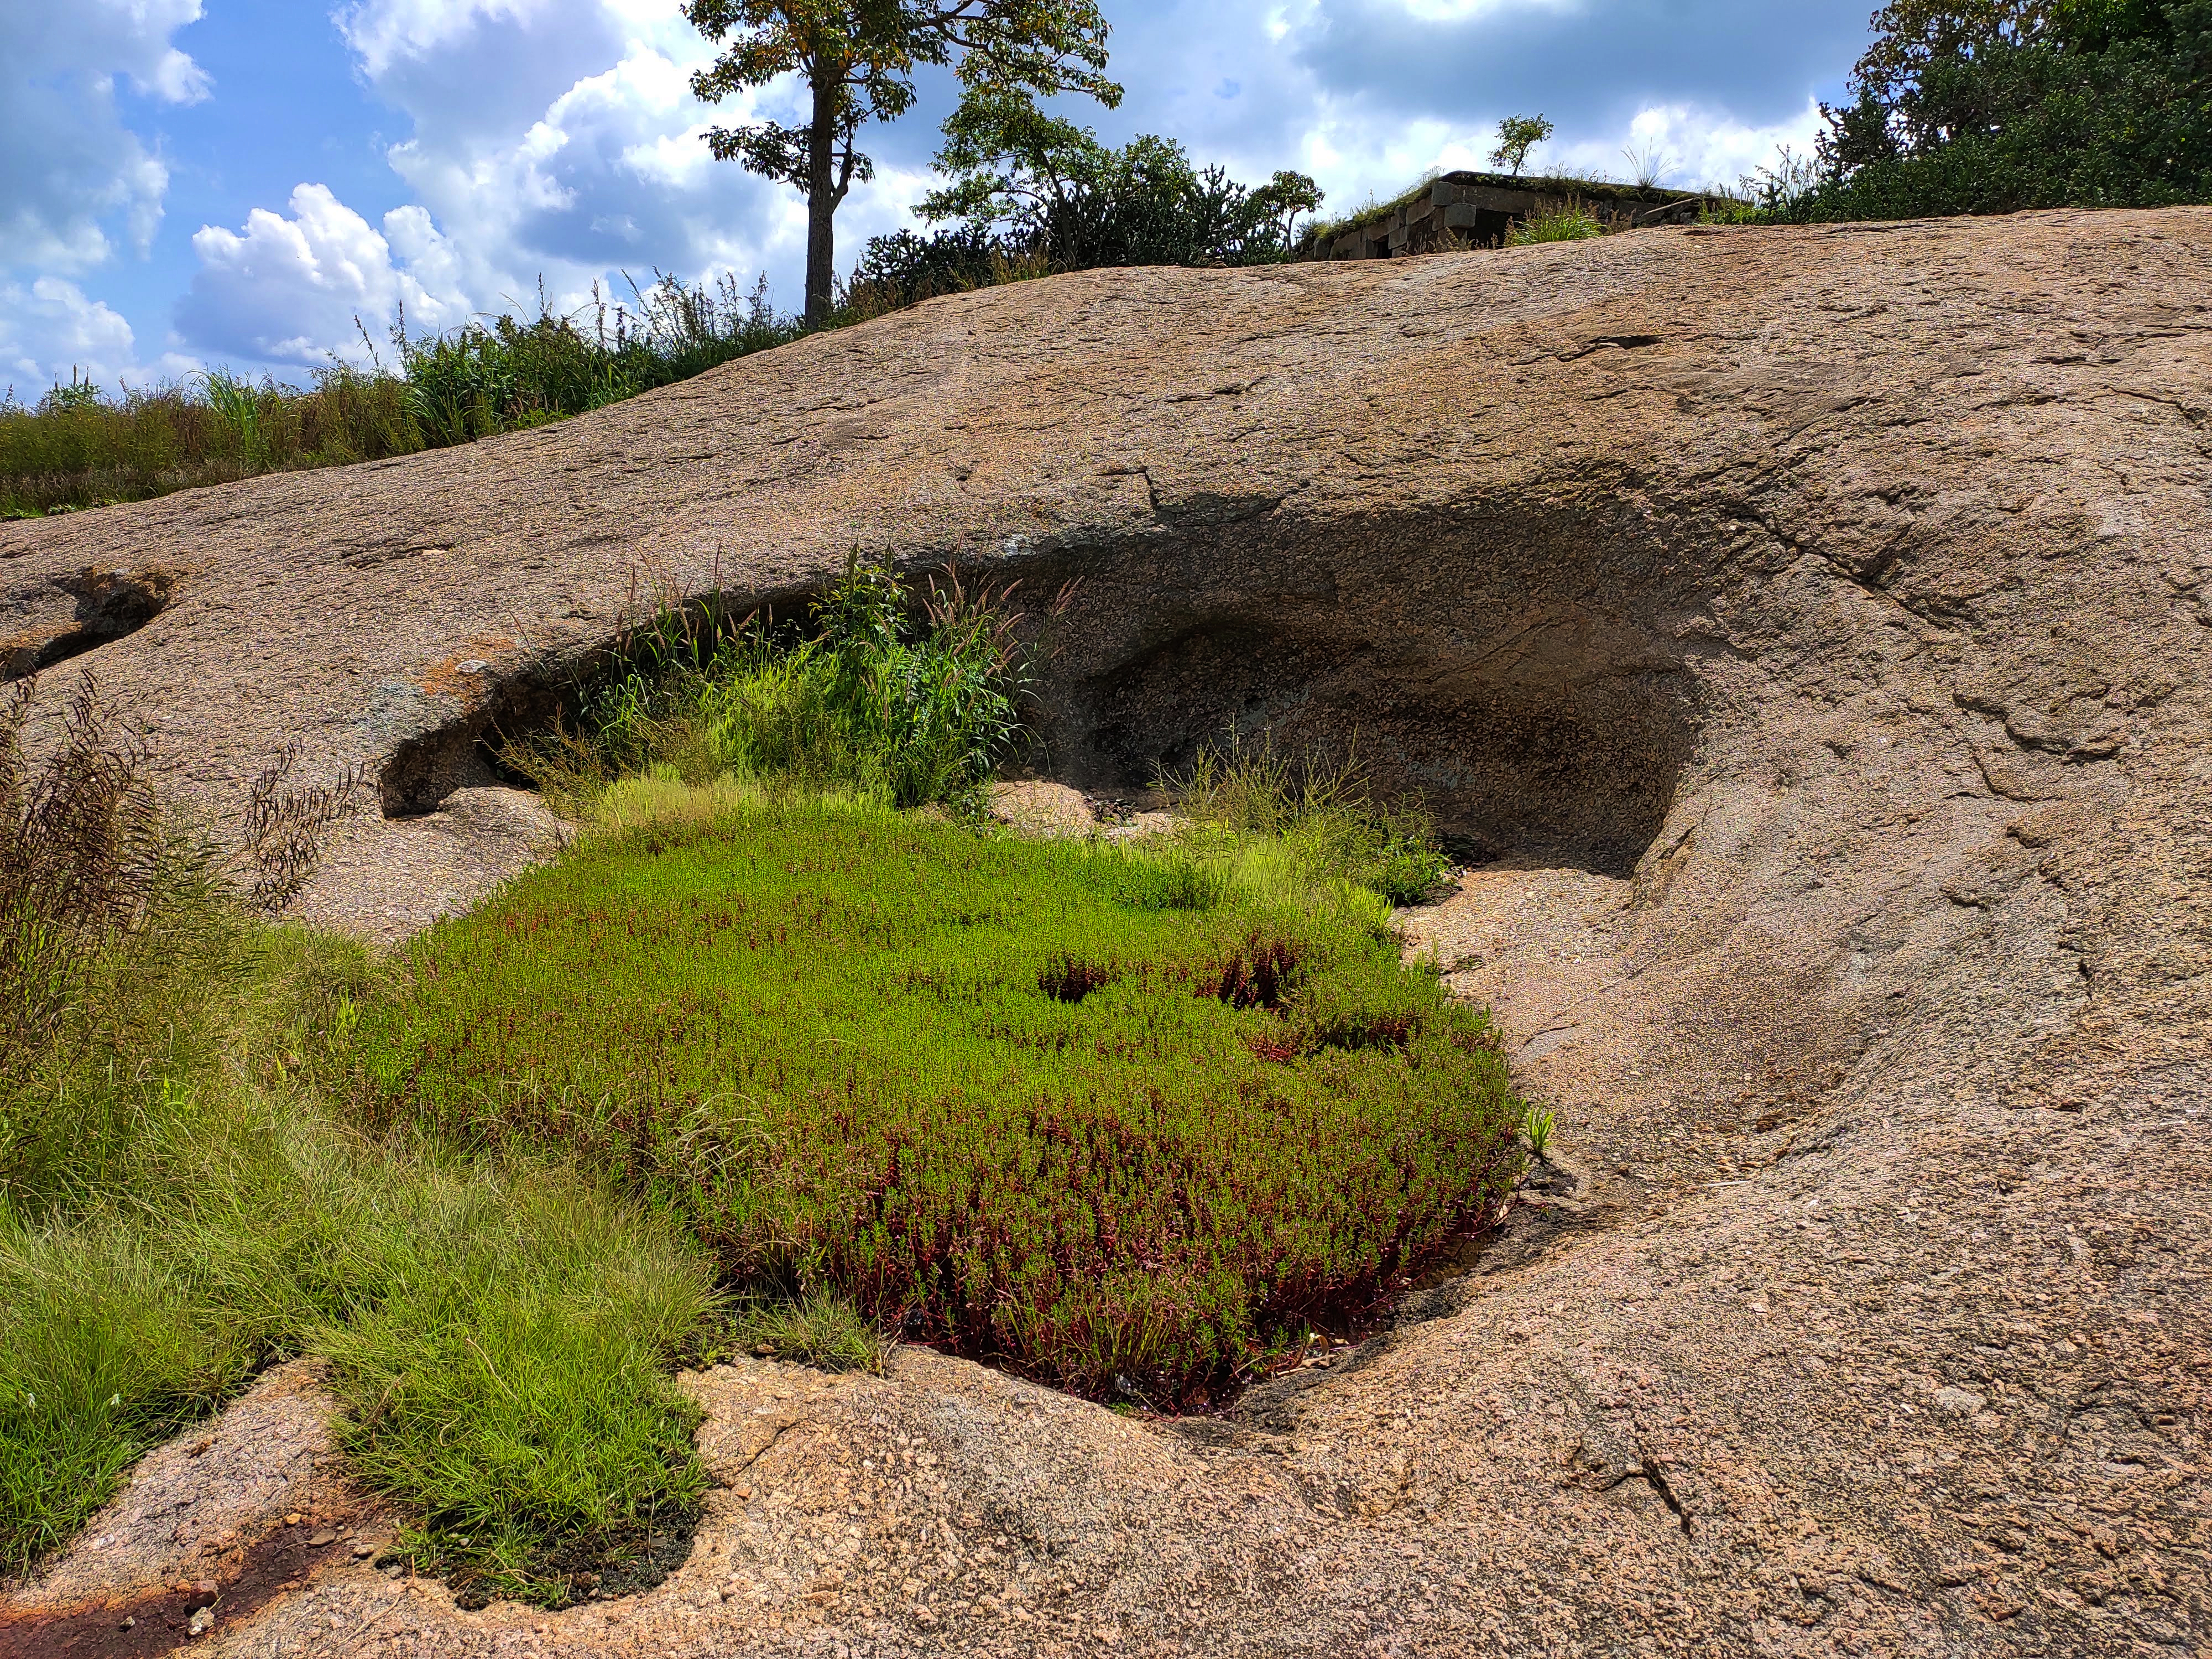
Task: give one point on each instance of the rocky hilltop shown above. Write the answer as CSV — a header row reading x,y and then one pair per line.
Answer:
x,y
1808,627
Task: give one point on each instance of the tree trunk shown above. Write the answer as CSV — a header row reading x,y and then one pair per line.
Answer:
x,y
821,202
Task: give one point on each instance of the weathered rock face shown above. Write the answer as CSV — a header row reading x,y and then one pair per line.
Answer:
x,y
1814,622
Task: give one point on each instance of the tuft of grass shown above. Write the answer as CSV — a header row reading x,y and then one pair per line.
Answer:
x,y
500,1340
178,1209
821,1329
1536,1129
1570,224
1322,819
1107,1116
510,1386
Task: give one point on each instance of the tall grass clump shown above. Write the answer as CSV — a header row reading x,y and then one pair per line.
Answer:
x,y
505,374
875,700
178,1210
77,447
1570,224
1321,816
1111,1117
115,934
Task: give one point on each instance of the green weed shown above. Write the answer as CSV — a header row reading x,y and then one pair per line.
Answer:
x,y
821,1329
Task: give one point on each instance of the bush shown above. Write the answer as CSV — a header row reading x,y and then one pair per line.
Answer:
x,y
904,269
1994,108
1050,188
872,702
117,933
1013,1097
506,374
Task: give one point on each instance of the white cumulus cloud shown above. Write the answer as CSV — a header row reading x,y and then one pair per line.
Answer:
x,y
552,141
1689,147
74,180
51,331
559,139
289,289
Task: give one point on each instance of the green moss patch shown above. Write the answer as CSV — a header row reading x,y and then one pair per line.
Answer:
x,y
1117,1119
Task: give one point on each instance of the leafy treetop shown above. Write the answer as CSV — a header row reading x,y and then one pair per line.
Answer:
x,y
1994,106
857,59
1050,187
1516,136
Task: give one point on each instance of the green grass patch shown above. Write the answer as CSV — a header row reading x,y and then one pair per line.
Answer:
x,y
501,1341
823,1329
510,1385
1116,1119
1570,224
1322,816
178,1210
501,1336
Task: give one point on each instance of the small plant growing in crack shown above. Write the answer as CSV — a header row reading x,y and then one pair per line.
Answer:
x,y
1536,1130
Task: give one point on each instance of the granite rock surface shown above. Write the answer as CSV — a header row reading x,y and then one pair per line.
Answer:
x,y
1805,635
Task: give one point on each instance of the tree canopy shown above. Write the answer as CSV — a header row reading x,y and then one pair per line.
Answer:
x,y
1995,105
857,60
1048,187
1516,136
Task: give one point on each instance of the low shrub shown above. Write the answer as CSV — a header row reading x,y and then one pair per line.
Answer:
x,y
873,703
846,1048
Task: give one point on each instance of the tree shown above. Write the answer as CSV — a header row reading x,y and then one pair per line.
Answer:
x,y
856,59
1048,187
1516,136
1994,106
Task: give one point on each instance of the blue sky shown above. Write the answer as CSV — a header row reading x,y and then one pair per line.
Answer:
x,y
193,183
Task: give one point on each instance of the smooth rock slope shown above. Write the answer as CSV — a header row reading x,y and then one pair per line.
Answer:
x,y
1811,627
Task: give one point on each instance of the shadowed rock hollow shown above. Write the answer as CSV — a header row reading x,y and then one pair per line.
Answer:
x,y
1814,626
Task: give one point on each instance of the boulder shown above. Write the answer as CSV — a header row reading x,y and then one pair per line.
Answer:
x,y
1804,632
